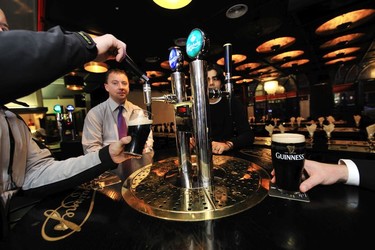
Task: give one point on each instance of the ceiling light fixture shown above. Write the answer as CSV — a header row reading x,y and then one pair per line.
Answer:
x,y
345,21
294,63
275,44
172,4
342,40
341,52
340,60
73,81
236,11
287,55
154,73
236,58
96,67
271,87
246,80
248,66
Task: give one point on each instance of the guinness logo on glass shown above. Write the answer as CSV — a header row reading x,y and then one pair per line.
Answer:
x,y
291,149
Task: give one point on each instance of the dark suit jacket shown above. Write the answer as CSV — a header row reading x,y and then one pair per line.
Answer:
x,y
40,58
366,170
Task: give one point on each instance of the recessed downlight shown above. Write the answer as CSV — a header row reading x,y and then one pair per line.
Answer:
x,y
236,11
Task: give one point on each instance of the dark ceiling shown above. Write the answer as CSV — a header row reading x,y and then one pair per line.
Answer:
x,y
150,31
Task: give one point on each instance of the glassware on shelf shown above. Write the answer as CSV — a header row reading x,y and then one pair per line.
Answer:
x,y
328,135
311,129
321,120
311,137
328,129
269,129
370,137
357,119
371,142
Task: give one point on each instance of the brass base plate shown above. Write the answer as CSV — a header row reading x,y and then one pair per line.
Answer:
x,y
237,185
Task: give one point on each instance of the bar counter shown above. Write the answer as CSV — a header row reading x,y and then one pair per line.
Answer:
x,y
337,217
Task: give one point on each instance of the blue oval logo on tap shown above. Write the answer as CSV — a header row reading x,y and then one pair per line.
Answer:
x,y
176,59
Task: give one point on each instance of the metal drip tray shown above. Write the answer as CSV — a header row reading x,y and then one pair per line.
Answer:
x,y
155,190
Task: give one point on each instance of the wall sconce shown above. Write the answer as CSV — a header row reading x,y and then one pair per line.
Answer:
x,y
73,81
172,4
96,67
271,87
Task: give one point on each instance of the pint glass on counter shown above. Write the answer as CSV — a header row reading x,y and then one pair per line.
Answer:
x,y
288,157
139,127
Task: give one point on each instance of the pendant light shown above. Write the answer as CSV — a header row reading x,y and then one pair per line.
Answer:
x,y
172,4
73,81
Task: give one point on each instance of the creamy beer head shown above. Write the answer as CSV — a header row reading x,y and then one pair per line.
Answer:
x,y
139,121
288,138
140,117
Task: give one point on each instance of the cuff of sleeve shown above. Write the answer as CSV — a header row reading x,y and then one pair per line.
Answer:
x,y
89,43
229,144
353,173
105,157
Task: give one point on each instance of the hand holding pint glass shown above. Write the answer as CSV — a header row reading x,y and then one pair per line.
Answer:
x,y
139,127
288,158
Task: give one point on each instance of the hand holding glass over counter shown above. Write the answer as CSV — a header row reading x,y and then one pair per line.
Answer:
x,y
288,157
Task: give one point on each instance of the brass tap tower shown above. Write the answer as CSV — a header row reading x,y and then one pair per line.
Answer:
x,y
195,185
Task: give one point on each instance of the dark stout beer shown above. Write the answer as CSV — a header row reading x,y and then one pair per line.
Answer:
x,y
288,157
139,127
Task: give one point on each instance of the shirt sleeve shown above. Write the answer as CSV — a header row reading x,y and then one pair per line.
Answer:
x,y
54,52
353,173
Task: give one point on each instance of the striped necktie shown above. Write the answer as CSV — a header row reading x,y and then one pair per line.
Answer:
x,y
121,124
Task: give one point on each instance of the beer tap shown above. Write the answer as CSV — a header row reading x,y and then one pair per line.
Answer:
x,y
196,47
228,70
183,119
146,84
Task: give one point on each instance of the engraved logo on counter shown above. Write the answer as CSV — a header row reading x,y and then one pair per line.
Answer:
x,y
70,216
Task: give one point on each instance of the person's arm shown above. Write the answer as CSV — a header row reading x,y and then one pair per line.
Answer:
x,y
31,60
46,175
319,173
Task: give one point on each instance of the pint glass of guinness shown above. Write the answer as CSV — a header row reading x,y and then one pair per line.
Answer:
x,y
288,157
139,127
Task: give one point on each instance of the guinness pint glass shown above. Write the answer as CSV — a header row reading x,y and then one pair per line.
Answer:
x,y
288,157
139,127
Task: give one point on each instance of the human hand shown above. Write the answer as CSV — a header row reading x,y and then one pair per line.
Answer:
x,y
192,142
219,147
116,150
318,173
109,48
